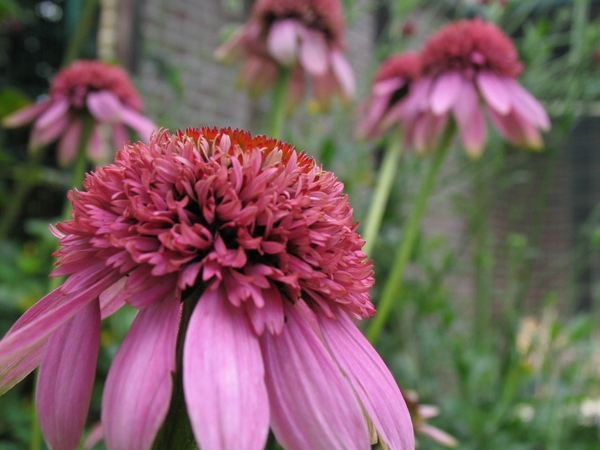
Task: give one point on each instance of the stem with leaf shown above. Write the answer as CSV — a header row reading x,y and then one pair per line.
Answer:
x,y
409,237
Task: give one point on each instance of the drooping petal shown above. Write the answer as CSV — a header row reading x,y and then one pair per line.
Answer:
x,y
516,129
138,387
120,136
494,91
313,51
223,376
388,86
55,111
141,124
26,115
68,144
527,106
470,120
372,123
104,106
444,93
312,404
371,380
343,73
66,378
282,41
36,331
42,136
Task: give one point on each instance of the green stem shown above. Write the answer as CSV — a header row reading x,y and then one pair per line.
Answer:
x,y
409,237
81,32
25,180
279,104
385,181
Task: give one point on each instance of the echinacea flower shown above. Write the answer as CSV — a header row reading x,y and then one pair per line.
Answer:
x,y
420,413
86,87
464,64
251,249
304,36
390,88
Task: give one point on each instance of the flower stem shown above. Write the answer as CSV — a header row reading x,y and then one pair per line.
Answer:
x,y
409,237
81,31
25,180
385,181
279,103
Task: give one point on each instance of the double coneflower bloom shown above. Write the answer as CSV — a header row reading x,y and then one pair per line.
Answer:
x,y
248,250
85,88
305,37
465,65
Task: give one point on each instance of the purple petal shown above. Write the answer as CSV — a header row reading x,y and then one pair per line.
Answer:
x,y
314,54
282,41
104,106
312,403
68,144
371,125
444,93
416,101
35,332
138,387
527,106
494,91
141,124
26,115
223,376
120,136
66,378
343,73
371,380
516,129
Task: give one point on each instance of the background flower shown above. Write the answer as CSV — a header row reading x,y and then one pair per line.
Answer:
x,y
85,87
260,244
463,63
306,37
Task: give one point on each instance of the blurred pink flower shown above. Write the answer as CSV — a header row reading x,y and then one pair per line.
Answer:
x,y
257,244
93,87
390,87
463,63
306,36
420,414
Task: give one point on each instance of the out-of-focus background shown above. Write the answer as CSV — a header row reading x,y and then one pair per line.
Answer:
x,y
497,322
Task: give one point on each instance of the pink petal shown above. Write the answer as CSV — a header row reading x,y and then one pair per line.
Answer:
x,y
516,129
314,54
97,149
26,115
113,298
388,86
527,106
371,125
470,120
20,342
54,112
343,73
282,41
312,403
494,91
138,387
141,124
68,144
444,93
104,106
223,376
42,136
13,371
66,378
417,98
371,380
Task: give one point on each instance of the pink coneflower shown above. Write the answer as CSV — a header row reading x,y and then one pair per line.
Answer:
x,y
305,36
85,87
390,88
464,62
249,247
